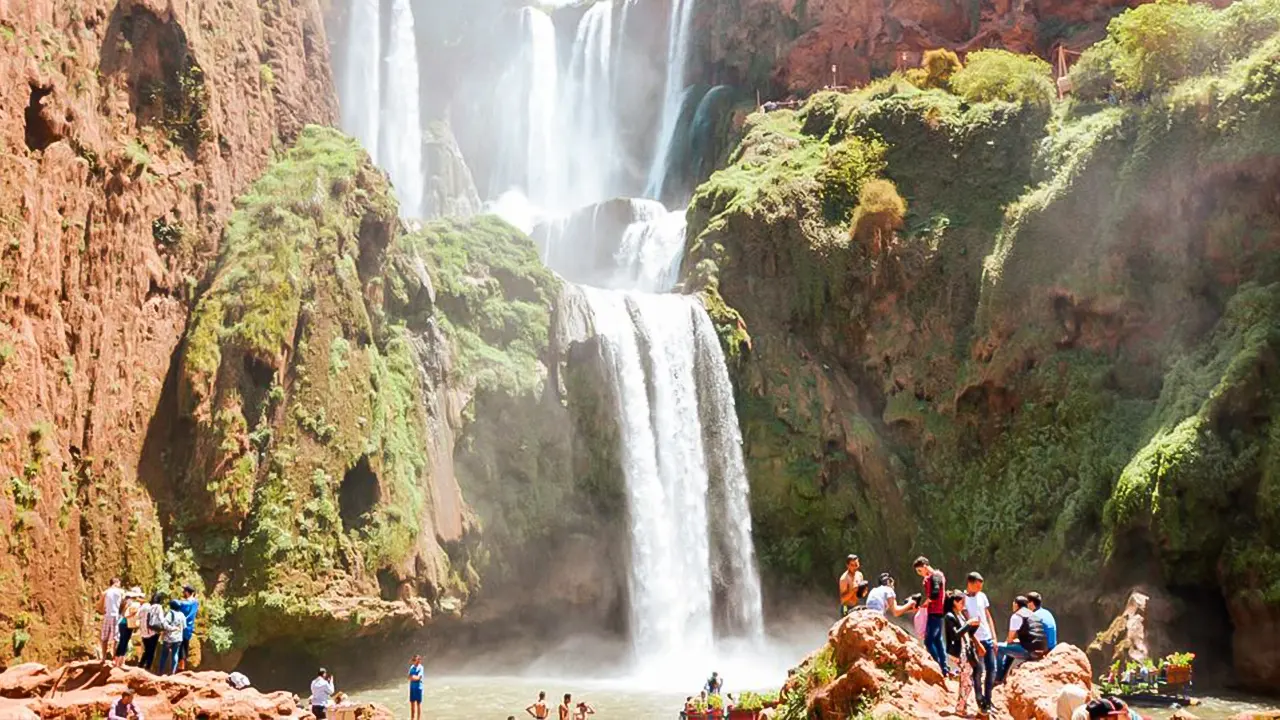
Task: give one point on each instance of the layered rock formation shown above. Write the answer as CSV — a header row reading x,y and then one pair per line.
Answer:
x,y
780,47
129,128
1055,329
88,689
872,668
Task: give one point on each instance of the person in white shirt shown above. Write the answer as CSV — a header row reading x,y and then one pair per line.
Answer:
x,y
884,599
109,605
321,691
977,608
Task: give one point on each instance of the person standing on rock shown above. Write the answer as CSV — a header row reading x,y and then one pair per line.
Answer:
x,y
1036,603
977,609
150,629
959,637
190,607
109,606
934,600
321,691
850,582
539,709
415,688
129,609
171,642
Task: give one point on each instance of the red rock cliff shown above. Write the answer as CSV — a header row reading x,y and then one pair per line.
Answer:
x,y
128,127
788,46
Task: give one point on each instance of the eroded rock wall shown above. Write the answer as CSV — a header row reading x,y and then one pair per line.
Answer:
x,y
127,129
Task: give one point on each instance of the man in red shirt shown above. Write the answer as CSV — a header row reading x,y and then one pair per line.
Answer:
x,y
934,600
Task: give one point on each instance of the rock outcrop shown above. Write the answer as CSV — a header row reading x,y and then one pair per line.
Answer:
x,y
129,128
87,689
1138,633
873,667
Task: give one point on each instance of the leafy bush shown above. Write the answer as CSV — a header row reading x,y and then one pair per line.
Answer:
x,y
1002,75
880,211
1161,43
939,67
847,167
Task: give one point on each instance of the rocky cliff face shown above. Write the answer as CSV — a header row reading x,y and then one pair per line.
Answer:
x,y
1042,349
781,47
128,128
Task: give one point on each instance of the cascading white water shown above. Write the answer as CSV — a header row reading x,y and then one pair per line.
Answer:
x,y
586,110
360,72
652,247
399,147
736,559
544,153
673,96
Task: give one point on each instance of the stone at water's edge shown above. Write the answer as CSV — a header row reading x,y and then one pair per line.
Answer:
x,y
1032,688
876,663
87,689
1136,634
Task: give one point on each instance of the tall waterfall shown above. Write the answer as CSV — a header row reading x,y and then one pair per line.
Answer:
x,y
686,483
379,97
400,133
544,152
359,77
673,97
586,110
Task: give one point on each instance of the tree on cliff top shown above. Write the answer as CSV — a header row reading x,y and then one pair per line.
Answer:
x,y
1002,75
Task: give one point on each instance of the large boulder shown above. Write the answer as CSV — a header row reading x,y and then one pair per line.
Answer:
x,y
1137,633
869,665
1032,690
87,689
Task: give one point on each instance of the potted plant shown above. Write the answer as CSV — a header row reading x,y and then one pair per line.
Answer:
x,y
1177,668
750,704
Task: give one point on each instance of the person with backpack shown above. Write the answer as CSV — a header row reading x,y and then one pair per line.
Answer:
x,y
171,648
152,627
129,623
1026,638
1036,603
934,601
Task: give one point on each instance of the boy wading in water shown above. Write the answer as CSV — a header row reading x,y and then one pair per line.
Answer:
x,y
565,707
415,688
539,709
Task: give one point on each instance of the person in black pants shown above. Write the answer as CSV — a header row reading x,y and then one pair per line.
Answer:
x,y
151,628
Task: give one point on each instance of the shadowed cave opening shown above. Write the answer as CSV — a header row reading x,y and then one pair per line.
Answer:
x,y
358,494
38,132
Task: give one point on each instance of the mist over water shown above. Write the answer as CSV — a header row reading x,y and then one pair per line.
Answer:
x,y
694,599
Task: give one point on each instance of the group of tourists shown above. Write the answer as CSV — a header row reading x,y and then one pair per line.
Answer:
x,y
163,626
957,627
541,710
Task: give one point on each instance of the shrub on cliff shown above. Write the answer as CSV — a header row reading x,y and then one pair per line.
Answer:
x,y
937,67
1002,75
880,212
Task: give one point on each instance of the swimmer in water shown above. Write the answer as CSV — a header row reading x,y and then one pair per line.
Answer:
x,y
539,709
583,711
564,708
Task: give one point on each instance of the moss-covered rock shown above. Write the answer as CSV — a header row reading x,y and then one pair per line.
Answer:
x,y
1058,368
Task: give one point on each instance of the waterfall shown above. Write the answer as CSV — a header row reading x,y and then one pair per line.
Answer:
x,y
736,559
359,78
587,109
399,148
651,250
673,96
543,152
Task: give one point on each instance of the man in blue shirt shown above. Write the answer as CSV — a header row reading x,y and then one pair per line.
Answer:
x,y
189,605
415,688
1040,611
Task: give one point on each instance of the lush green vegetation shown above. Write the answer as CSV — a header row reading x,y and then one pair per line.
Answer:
x,y
1051,341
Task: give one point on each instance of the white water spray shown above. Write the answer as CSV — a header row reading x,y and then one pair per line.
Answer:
x,y
360,72
673,96
399,148
543,149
